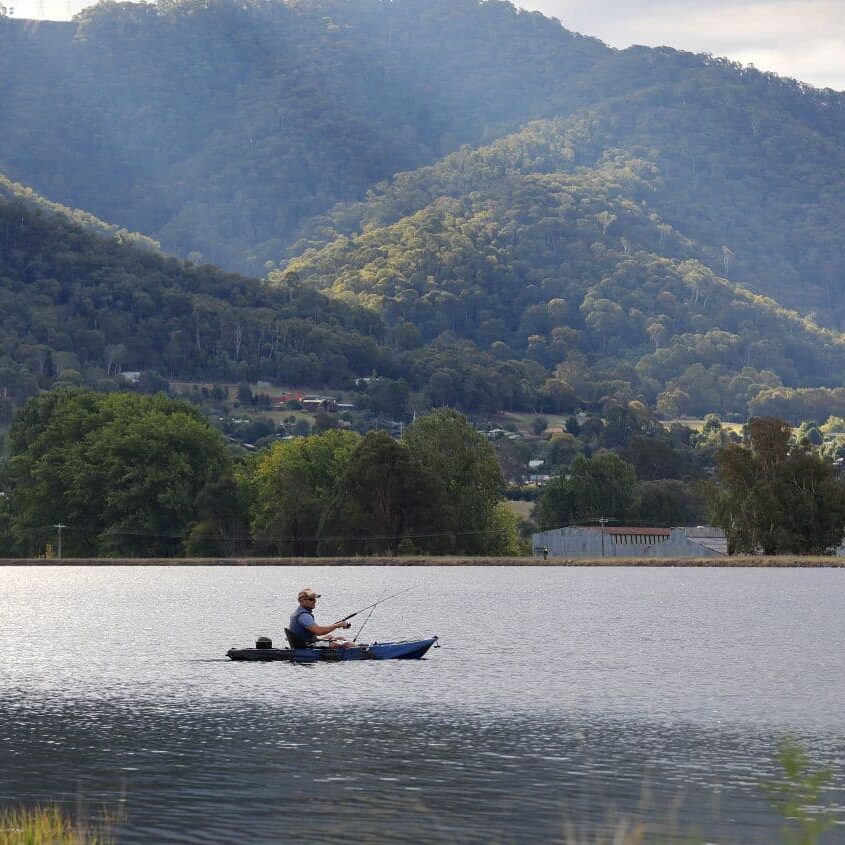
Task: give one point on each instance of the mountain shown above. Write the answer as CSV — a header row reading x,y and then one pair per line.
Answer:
x,y
220,127
79,307
532,248
27,197
455,193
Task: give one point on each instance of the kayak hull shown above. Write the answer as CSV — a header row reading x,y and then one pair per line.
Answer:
x,y
402,650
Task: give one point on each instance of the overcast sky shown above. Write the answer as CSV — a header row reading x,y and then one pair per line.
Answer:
x,y
800,38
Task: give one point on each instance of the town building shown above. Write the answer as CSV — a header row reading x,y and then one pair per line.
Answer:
x,y
620,541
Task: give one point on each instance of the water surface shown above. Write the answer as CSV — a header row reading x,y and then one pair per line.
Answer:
x,y
560,698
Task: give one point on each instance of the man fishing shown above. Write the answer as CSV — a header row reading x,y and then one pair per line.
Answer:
x,y
304,626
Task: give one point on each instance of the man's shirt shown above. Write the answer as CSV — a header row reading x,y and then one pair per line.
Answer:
x,y
300,620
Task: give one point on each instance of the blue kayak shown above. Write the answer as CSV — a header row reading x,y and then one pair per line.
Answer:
x,y
399,650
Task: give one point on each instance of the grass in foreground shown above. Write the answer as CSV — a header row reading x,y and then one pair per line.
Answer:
x,y
50,825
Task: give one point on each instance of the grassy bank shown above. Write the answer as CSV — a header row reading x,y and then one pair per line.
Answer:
x,y
50,825
785,561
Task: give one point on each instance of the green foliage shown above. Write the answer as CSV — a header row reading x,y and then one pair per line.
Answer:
x,y
447,247
539,425
125,472
465,468
384,498
230,124
504,215
505,538
74,302
294,484
600,486
777,497
50,825
223,528
796,795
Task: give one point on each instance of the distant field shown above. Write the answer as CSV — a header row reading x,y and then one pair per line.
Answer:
x,y
556,422
523,420
697,425
521,509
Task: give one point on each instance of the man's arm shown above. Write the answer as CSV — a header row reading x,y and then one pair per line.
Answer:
x,y
322,630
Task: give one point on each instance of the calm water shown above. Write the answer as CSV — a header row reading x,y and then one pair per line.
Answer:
x,y
561,698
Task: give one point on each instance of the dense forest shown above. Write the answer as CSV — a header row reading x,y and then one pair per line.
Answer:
x,y
221,129
531,257
78,308
460,197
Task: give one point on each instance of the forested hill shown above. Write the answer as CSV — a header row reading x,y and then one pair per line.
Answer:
x,y
529,254
26,197
220,128
80,308
452,192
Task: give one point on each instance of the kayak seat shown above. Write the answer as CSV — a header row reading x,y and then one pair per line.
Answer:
x,y
294,641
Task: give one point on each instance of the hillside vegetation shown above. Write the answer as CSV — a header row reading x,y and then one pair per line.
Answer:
x,y
221,129
452,194
528,254
82,308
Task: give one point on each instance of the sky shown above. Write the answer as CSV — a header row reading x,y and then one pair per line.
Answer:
x,y
804,39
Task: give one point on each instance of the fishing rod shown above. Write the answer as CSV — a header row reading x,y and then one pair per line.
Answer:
x,y
380,601
355,638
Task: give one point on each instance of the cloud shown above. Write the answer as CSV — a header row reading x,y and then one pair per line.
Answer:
x,y
800,38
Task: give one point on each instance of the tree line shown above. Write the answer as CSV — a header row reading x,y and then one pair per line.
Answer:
x,y
79,309
773,490
531,249
134,475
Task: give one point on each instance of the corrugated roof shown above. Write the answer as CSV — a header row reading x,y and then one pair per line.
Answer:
x,y
645,532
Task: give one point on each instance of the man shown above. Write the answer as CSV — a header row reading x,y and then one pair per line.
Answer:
x,y
304,626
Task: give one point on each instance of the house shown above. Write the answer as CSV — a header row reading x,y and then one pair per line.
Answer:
x,y
319,403
577,541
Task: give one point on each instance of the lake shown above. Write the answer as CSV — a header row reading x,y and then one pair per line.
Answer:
x,y
562,701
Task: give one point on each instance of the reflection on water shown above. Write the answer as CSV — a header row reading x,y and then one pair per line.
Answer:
x,y
264,774
649,694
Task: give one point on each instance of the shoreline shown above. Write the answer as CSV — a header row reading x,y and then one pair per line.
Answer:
x,y
738,562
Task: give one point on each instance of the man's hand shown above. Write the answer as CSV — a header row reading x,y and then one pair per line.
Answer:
x,y
343,624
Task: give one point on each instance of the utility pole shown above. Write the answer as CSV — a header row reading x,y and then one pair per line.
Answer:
x,y
59,527
603,521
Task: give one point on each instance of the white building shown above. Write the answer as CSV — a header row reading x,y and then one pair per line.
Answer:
x,y
602,541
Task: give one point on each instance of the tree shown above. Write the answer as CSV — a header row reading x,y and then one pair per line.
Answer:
x,y
123,471
777,497
602,485
539,425
655,458
666,503
222,529
244,393
294,482
465,467
384,498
